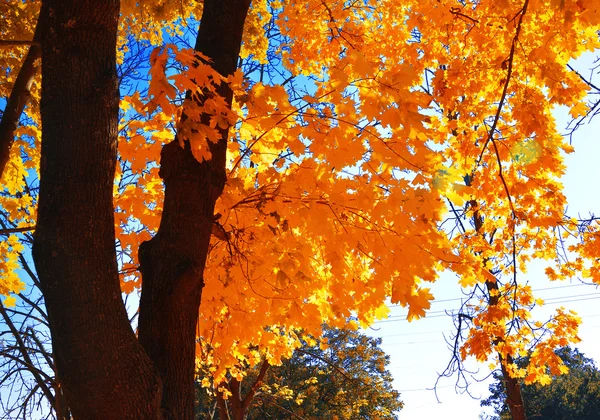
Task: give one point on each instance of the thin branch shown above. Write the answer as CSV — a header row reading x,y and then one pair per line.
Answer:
x,y
587,82
10,231
27,366
456,11
282,119
291,413
333,365
25,355
504,184
506,83
40,345
33,278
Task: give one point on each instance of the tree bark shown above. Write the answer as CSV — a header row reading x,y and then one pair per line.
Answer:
x,y
104,370
514,398
173,261
241,403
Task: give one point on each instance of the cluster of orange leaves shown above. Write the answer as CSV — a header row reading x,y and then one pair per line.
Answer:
x,y
335,197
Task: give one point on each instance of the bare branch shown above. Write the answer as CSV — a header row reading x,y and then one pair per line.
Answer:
x,y
10,231
25,355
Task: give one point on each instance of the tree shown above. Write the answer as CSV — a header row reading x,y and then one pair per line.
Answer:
x,y
291,170
575,395
340,376
27,372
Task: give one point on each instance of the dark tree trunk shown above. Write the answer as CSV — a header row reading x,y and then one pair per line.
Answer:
x,y
514,399
172,262
104,370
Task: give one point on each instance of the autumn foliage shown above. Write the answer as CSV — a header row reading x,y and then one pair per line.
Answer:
x,y
355,131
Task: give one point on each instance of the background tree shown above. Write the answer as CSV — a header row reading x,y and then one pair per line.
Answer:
x,y
573,396
341,376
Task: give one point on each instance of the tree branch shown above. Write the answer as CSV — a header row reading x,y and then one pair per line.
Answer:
x,y
340,370
4,43
250,395
19,96
10,231
509,63
222,404
25,355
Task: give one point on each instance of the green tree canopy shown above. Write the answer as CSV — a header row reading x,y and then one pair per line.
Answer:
x,y
574,396
343,376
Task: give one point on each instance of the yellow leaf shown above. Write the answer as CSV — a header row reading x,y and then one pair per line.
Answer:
x,y
10,301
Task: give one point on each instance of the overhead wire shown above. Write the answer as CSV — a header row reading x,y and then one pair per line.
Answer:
x,y
445,312
534,290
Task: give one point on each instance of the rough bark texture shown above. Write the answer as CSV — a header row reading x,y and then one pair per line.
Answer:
x,y
172,262
514,399
19,96
104,370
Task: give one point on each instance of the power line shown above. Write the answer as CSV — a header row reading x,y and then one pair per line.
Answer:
x,y
416,333
533,290
451,331
444,312
423,389
410,343
572,296
547,301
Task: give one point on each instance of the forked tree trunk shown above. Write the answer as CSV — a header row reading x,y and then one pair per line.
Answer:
x,y
172,263
238,405
105,372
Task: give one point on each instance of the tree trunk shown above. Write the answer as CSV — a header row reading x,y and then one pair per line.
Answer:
x,y
104,370
514,400
173,261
